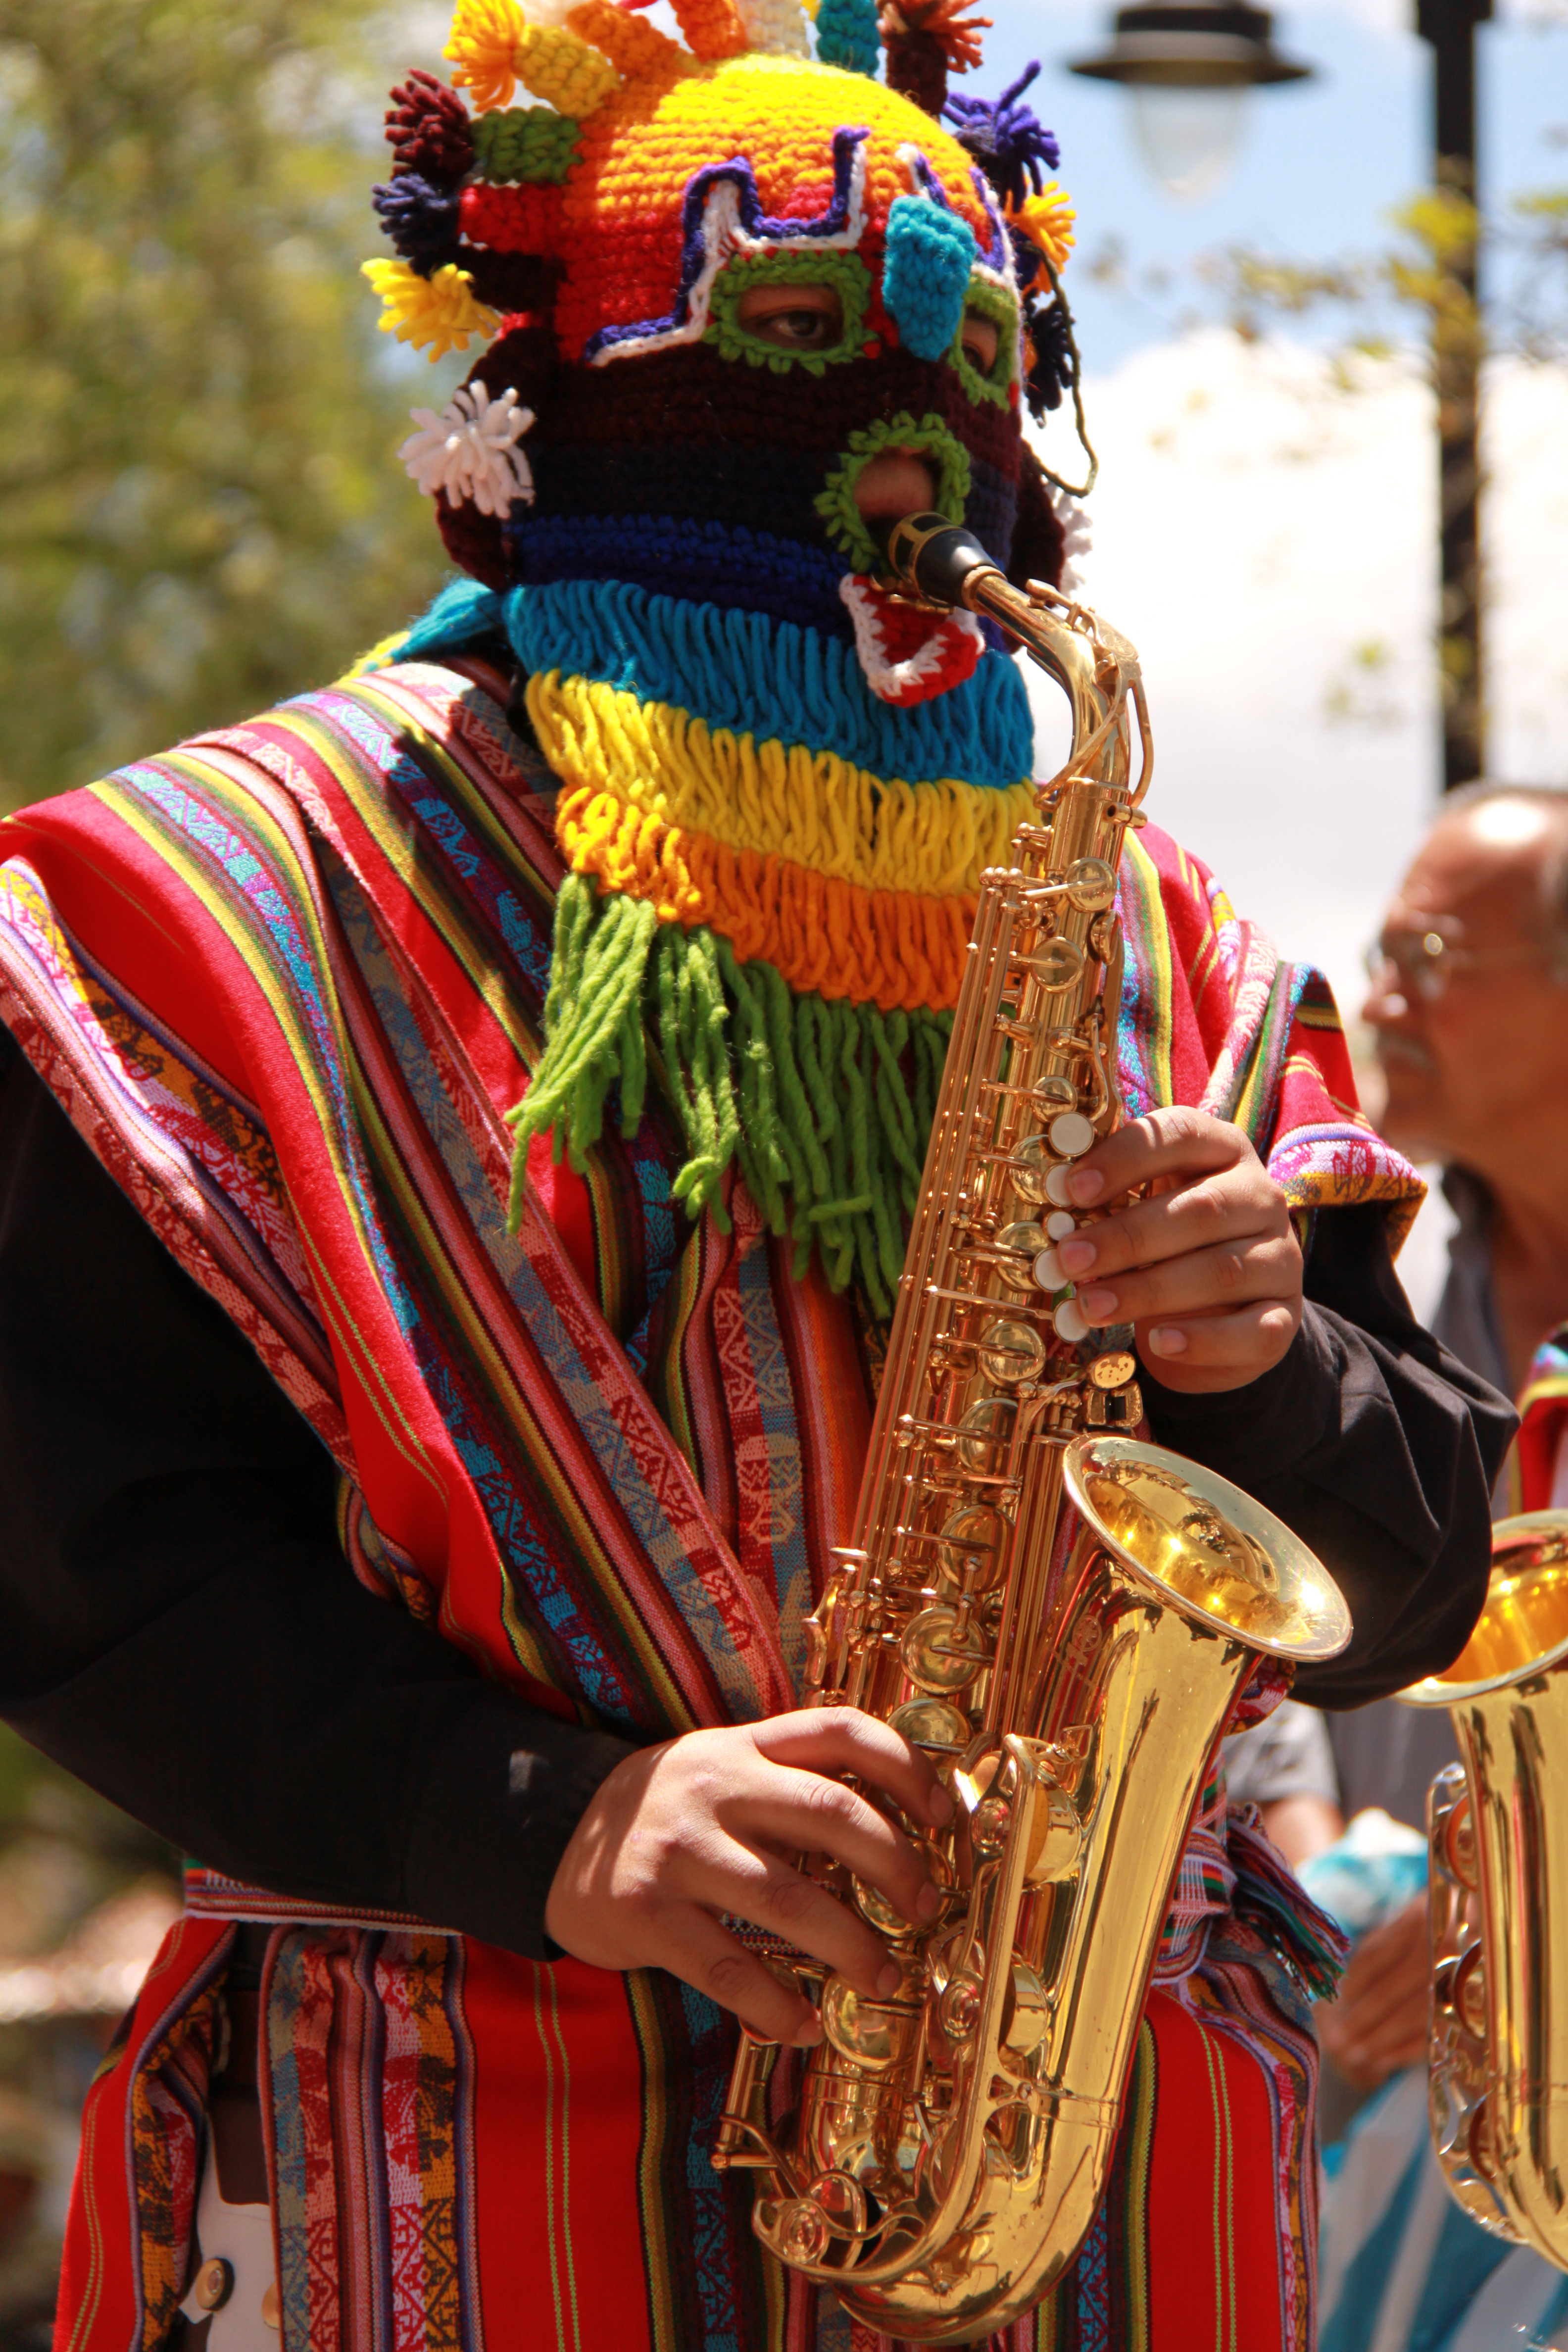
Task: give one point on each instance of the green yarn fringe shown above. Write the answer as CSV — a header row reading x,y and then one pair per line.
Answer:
x,y
826,1106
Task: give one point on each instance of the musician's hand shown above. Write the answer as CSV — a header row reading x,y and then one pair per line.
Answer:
x,y
680,1833
1208,1270
1378,2022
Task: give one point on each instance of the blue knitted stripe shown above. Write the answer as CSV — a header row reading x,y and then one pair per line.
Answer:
x,y
769,679
741,670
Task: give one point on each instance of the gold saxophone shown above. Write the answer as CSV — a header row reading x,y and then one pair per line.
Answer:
x,y
1498,1898
1060,1616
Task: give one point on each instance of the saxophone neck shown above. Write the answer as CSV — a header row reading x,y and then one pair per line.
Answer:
x,y
939,562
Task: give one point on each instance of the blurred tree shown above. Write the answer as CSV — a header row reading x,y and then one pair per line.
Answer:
x,y
199,508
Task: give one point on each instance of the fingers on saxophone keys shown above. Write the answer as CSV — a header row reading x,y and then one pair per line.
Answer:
x,y
707,1957
802,1811
773,1895
847,1740
1199,1281
1176,1225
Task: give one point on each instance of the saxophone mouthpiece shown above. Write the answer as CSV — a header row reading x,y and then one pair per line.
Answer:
x,y
927,555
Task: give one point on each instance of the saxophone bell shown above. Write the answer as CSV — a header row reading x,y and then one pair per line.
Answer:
x,y
1498,1896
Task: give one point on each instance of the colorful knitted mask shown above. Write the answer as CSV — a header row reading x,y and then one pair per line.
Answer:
x,y
617,244
777,777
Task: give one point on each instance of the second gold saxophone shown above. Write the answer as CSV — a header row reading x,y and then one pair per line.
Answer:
x,y
1498,1898
1060,1616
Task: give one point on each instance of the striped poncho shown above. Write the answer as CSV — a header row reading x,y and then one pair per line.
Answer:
x,y
287,980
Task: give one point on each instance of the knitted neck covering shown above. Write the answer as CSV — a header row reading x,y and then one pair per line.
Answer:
x,y
772,876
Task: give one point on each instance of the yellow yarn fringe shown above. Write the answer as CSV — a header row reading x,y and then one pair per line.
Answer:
x,y
783,799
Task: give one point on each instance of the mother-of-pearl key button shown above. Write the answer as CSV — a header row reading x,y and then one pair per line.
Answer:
x,y
1059,1224
1072,1324
1057,1186
1049,1271
1071,1134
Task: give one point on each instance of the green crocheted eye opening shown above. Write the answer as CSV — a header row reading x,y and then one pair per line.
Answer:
x,y
930,439
845,272
996,303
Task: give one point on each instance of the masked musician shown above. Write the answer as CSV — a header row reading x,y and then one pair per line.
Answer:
x,y
666,825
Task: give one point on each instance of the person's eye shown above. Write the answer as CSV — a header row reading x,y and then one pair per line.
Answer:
x,y
796,317
982,339
803,328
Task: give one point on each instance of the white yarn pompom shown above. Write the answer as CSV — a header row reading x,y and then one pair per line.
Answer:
x,y
470,451
1078,540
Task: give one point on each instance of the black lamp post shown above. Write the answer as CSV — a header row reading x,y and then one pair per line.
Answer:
x,y
1449,26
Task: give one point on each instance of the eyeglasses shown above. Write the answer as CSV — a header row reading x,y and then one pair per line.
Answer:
x,y
1426,961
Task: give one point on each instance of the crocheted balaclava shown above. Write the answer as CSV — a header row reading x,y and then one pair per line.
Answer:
x,y
780,782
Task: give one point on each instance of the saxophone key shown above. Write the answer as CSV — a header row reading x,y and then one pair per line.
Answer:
x,y
1055,964
1028,2017
933,1724
876,2033
1016,1246
1071,1322
937,1655
1091,885
1011,1350
1048,1271
972,1548
1070,1135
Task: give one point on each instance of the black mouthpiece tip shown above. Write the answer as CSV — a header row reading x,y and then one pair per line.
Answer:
x,y
932,556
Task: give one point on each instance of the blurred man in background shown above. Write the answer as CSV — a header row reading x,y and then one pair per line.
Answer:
x,y
1470,1014
1471,1022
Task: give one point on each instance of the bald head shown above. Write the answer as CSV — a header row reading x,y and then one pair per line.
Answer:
x,y
1518,832
1473,1039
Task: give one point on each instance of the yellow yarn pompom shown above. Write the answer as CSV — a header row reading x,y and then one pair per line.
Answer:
x,y
439,312
482,49
564,70
1047,220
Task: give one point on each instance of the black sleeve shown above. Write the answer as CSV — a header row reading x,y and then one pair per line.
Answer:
x,y
181,1628
1378,1448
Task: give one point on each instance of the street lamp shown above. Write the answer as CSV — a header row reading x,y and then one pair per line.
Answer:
x,y
1189,68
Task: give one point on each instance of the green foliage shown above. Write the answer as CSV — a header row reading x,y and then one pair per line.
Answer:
x,y
1421,281
200,505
